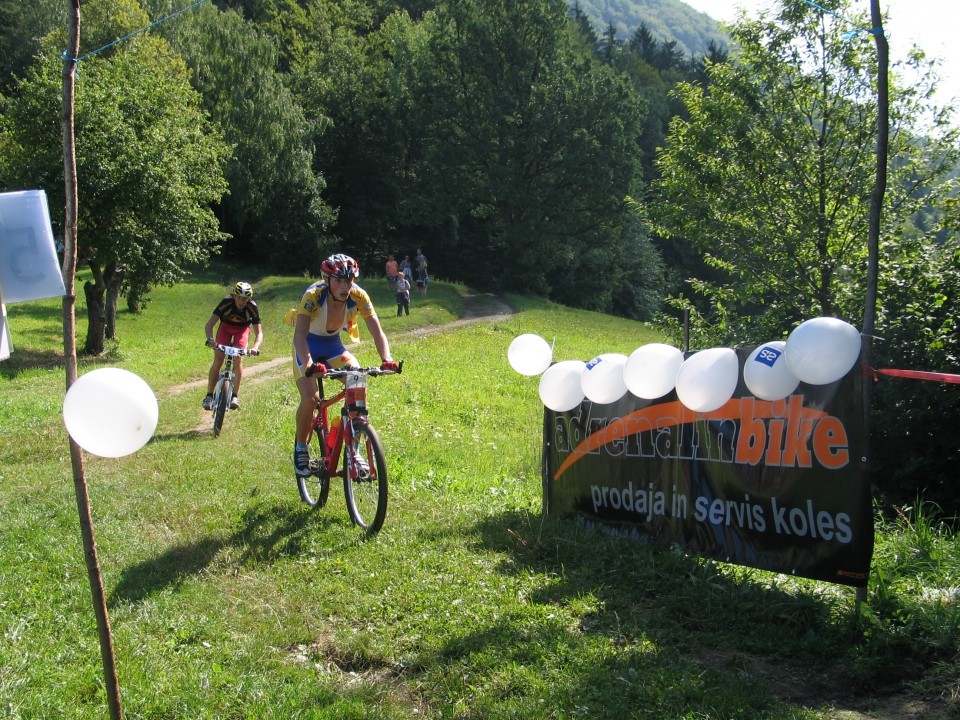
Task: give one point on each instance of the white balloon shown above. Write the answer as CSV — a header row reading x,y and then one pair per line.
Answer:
x,y
766,373
110,412
822,350
707,379
651,370
602,378
529,354
560,385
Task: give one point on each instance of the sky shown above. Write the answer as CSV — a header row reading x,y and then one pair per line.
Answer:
x,y
930,24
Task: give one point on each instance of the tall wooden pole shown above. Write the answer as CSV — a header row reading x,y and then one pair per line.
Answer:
x,y
876,211
69,270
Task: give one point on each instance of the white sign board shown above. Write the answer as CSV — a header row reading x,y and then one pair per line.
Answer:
x,y
29,267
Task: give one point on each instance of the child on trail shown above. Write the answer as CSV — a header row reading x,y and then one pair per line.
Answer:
x,y
403,295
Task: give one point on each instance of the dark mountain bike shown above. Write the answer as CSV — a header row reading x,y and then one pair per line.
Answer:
x,y
223,392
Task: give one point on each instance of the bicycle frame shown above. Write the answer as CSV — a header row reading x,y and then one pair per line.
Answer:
x,y
356,443
353,409
226,372
226,384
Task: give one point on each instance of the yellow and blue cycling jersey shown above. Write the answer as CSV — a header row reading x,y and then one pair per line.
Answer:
x,y
325,343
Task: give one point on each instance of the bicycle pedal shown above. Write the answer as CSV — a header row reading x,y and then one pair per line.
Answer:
x,y
316,466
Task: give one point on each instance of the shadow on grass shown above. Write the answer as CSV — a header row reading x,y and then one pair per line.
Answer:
x,y
672,631
22,359
185,435
265,534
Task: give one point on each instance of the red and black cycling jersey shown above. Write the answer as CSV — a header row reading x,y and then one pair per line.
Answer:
x,y
229,313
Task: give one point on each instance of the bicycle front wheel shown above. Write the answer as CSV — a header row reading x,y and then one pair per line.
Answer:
x,y
365,478
222,403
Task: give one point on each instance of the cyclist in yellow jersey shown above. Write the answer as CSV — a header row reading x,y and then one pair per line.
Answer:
x,y
327,308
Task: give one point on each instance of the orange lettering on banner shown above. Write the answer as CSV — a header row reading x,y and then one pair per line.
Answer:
x,y
753,435
830,443
796,453
778,434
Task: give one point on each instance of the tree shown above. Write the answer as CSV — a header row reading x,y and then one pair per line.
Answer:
x,y
274,210
149,163
362,150
22,24
528,151
770,174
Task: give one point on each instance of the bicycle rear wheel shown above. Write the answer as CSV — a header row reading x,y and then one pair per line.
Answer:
x,y
315,487
365,478
222,400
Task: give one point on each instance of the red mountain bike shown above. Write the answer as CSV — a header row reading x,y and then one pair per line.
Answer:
x,y
364,466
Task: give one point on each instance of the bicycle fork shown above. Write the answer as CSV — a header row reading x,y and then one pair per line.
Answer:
x,y
355,465
225,377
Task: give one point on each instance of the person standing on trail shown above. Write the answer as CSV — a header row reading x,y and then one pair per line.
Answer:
x,y
327,308
403,295
236,313
422,277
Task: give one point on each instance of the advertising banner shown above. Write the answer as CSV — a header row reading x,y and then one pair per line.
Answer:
x,y
776,485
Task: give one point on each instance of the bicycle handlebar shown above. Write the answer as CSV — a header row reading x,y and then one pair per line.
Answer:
x,y
235,351
343,372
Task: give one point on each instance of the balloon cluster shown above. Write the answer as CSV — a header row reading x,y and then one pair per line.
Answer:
x,y
110,412
818,352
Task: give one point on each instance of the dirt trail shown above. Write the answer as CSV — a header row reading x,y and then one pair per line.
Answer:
x,y
480,308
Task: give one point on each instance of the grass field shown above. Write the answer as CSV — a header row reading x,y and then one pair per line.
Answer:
x,y
229,598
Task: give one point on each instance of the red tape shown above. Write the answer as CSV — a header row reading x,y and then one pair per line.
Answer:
x,y
917,375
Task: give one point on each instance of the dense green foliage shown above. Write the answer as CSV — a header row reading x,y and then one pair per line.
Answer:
x,y
275,206
149,164
502,138
770,176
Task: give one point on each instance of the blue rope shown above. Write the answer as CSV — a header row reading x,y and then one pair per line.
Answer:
x,y
135,32
849,34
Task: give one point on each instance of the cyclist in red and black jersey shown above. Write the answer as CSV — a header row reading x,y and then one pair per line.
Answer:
x,y
236,313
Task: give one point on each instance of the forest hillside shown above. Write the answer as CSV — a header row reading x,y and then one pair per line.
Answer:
x,y
665,19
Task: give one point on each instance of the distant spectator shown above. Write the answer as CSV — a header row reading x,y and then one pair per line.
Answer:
x,y
422,277
392,272
406,267
403,295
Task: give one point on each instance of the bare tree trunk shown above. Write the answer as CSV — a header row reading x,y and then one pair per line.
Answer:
x,y
95,292
873,238
70,353
113,277
135,299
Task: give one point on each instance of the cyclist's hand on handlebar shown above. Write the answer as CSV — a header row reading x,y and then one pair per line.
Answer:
x,y
253,351
316,369
210,342
390,365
